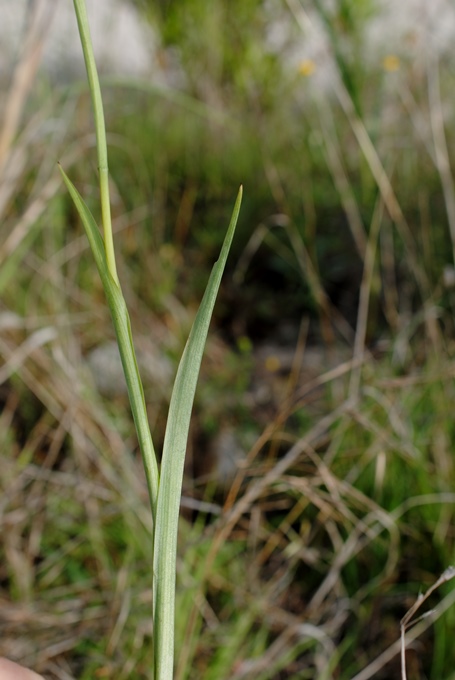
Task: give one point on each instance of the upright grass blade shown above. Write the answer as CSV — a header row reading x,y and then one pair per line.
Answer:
x,y
174,449
122,328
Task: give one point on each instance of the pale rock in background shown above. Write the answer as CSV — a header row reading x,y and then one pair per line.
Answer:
x,y
124,44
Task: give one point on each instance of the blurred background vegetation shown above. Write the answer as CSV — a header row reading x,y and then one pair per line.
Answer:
x,y
319,498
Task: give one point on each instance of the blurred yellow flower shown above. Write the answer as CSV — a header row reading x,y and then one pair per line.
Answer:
x,y
272,364
391,63
307,67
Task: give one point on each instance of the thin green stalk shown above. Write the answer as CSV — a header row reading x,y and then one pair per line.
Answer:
x,y
103,251
101,145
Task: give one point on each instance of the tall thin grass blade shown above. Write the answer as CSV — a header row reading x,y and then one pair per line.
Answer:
x,y
175,443
122,326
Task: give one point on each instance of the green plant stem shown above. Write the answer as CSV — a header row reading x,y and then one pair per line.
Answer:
x,y
101,145
165,488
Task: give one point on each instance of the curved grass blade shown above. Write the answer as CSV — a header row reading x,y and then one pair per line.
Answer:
x,y
122,326
175,443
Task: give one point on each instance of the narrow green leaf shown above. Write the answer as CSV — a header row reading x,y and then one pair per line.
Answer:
x,y
91,228
175,443
122,326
